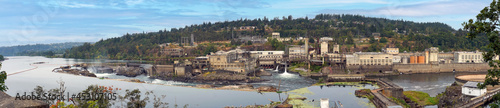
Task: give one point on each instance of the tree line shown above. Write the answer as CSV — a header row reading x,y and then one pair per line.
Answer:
x,y
343,28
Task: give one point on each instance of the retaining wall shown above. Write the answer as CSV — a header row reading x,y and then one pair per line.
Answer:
x,y
436,68
369,68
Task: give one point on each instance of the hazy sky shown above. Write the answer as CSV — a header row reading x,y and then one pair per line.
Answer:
x,y
54,21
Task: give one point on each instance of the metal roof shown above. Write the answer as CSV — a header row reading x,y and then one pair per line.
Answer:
x,y
471,84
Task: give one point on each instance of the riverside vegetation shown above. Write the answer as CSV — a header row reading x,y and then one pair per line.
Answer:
x,y
3,77
421,98
131,98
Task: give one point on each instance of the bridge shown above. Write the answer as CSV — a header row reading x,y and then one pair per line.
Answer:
x,y
480,100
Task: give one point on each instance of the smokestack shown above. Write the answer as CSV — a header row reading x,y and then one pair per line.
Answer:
x,y
192,39
307,47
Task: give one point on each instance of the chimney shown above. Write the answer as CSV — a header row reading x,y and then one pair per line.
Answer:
x,y
192,39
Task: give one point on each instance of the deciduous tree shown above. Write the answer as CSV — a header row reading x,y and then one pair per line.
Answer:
x,y
3,77
487,22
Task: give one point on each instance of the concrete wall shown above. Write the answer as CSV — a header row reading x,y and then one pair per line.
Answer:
x,y
473,91
180,70
433,68
393,92
369,68
160,70
164,68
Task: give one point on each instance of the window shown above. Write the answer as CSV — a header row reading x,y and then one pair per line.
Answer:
x,y
218,58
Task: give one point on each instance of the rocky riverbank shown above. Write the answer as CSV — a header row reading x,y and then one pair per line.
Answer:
x,y
129,71
75,70
452,96
217,78
213,77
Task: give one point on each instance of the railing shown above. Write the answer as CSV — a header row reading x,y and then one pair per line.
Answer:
x,y
480,100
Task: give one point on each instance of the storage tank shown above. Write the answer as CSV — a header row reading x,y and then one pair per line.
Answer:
x,y
426,57
421,60
404,60
412,59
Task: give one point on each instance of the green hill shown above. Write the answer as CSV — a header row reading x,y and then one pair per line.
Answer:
x,y
344,29
24,49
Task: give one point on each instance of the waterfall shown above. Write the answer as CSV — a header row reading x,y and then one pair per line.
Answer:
x,y
286,74
277,68
285,68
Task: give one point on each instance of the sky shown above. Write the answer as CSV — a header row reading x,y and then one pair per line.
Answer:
x,y
55,21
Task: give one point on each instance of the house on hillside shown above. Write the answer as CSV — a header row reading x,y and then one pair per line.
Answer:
x,y
470,88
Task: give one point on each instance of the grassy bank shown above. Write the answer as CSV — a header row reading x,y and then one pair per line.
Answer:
x,y
298,65
421,98
301,68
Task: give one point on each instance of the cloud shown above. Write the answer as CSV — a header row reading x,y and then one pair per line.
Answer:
x,y
185,12
422,9
321,3
233,4
77,5
242,3
86,19
133,2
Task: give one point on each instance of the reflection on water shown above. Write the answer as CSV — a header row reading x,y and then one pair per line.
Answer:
x,y
335,94
287,75
289,81
430,83
142,78
43,76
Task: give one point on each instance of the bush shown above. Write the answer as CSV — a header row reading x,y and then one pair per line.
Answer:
x,y
383,40
421,98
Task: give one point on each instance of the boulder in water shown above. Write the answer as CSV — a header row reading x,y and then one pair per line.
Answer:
x,y
267,89
205,86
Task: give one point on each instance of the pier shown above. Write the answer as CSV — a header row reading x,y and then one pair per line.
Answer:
x,y
381,96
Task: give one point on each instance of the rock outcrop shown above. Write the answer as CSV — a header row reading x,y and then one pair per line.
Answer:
x,y
452,96
267,89
74,71
129,71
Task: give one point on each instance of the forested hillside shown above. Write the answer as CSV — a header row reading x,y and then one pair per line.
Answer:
x,y
37,48
346,30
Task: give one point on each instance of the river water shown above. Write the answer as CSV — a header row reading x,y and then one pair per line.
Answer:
x,y
24,76
433,84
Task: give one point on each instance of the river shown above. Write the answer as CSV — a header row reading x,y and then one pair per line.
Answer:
x,y
433,84
24,76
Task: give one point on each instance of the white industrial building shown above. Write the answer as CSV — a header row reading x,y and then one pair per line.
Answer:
x,y
268,54
369,58
470,88
468,57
